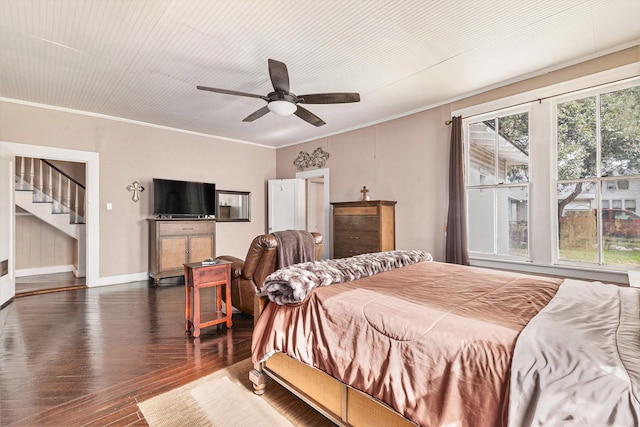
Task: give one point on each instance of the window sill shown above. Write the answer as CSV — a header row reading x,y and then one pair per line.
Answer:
x,y
568,271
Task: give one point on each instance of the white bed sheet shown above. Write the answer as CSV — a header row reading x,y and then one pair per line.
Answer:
x,y
577,362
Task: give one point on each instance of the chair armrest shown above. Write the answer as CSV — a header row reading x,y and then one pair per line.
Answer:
x,y
236,264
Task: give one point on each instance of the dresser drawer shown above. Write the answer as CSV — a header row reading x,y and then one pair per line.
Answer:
x,y
355,222
345,251
355,210
369,239
180,228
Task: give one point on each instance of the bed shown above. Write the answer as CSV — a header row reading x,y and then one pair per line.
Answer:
x,y
426,343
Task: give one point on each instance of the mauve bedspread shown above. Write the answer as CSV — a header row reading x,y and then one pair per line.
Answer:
x,y
431,340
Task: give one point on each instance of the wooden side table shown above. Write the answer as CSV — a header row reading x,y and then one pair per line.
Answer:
x,y
198,276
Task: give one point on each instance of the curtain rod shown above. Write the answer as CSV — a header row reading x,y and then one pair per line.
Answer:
x,y
448,122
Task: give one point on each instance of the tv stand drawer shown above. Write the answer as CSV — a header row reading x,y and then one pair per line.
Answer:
x,y
181,228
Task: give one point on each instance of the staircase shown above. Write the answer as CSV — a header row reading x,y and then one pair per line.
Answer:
x,y
54,197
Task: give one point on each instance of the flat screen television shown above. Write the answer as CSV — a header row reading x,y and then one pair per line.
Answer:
x,y
186,199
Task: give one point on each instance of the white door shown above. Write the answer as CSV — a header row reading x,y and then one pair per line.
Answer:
x,y
318,205
287,205
7,229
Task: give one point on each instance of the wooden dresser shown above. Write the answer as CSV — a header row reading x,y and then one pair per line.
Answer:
x,y
363,227
175,242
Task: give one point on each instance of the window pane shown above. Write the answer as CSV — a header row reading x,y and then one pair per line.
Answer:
x,y
620,131
629,204
513,221
577,227
513,148
577,139
481,210
509,229
621,226
482,154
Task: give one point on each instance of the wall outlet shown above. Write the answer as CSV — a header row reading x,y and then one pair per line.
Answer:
x,y
109,206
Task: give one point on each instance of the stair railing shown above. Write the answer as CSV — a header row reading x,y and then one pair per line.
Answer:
x,y
51,185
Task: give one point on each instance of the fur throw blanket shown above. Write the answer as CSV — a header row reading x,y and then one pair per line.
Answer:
x,y
292,284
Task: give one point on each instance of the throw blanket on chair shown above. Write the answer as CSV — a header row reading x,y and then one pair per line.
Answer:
x,y
292,284
294,246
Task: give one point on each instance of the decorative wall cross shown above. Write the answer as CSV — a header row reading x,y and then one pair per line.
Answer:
x,y
137,189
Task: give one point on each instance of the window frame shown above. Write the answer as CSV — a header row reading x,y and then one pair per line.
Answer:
x,y
541,150
595,91
492,115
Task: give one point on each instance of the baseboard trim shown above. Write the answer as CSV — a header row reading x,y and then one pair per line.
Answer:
x,y
117,280
44,270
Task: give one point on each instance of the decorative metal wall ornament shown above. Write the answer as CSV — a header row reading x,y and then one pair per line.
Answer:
x,y
316,159
137,189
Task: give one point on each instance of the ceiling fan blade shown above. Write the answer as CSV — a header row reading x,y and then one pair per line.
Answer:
x,y
257,114
329,98
232,92
308,116
279,76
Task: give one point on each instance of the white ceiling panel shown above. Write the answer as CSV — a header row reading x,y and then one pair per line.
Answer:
x,y
142,59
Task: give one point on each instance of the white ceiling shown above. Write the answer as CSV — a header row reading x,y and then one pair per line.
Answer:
x,y
142,59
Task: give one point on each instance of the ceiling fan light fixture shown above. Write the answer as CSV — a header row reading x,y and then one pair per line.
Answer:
x,y
282,108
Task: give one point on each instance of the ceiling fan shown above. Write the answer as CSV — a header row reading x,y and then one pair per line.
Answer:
x,y
284,103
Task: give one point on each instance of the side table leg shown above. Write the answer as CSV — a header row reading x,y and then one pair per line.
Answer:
x,y
196,311
229,306
187,304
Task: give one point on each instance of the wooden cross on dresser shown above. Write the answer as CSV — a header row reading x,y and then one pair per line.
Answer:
x,y
364,192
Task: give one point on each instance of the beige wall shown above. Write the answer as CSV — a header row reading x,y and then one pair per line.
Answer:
x,y
406,159
73,169
39,245
133,152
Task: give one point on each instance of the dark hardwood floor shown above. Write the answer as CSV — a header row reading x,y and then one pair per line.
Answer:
x,y
45,283
87,356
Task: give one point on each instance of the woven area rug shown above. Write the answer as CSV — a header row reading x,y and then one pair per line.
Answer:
x,y
225,398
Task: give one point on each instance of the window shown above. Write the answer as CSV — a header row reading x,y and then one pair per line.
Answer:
x,y
598,141
498,185
545,178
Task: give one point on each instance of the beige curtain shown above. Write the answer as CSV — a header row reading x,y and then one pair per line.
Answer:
x,y
456,249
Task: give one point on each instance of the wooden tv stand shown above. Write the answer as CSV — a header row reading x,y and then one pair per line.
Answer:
x,y
175,242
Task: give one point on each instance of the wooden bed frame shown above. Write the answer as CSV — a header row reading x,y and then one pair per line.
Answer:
x,y
340,403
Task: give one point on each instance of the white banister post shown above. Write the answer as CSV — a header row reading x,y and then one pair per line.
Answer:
x,y
41,179
31,173
75,206
59,198
22,182
67,198
50,182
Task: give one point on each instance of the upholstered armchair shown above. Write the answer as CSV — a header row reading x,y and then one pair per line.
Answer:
x,y
248,275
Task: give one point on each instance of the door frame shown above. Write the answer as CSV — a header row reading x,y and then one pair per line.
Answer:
x,y
8,250
326,233
92,228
